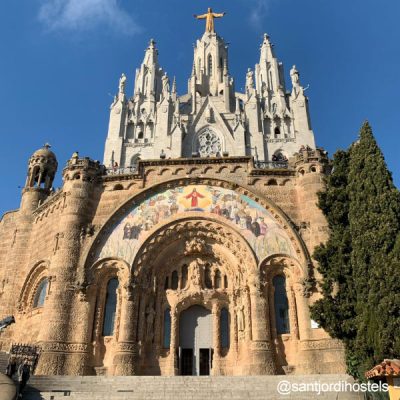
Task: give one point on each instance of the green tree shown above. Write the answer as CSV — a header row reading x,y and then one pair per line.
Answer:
x,y
360,261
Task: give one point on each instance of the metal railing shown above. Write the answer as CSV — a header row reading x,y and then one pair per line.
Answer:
x,y
271,164
121,170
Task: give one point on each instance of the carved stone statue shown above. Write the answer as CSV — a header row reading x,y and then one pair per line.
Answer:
x,y
295,76
122,83
249,79
150,323
195,273
240,317
165,86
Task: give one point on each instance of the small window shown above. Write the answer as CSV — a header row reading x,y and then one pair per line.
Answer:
x,y
110,307
224,326
225,282
217,279
281,305
210,65
174,280
184,276
40,295
166,284
277,132
207,277
167,329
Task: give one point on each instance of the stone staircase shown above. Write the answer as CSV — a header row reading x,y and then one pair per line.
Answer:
x,y
178,388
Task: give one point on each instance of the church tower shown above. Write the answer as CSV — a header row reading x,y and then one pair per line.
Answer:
x,y
144,126
266,122
285,116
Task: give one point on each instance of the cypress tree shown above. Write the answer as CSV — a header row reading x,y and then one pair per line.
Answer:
x,y
336,310
361,259
374,216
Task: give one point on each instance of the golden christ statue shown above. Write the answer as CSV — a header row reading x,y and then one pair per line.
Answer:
x,y
209,17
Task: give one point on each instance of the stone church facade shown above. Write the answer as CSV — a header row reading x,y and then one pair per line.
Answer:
x,y
188,251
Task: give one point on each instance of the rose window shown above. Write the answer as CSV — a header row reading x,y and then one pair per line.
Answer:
x,y
209,144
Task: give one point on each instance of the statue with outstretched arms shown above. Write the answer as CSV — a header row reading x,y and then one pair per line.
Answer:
x,y
209,17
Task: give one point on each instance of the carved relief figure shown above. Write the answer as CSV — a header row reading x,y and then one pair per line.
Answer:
x,y
195,273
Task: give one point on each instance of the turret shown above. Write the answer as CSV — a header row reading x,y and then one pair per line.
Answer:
x,y
284,118
141,127
42,167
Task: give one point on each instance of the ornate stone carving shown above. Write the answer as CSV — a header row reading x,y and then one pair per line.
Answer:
x,y
209,143
195,273
240,318
195,246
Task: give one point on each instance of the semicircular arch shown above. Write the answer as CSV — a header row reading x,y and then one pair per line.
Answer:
x,y
120,235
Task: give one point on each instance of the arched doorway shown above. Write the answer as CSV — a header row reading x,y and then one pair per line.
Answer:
x,y
195,341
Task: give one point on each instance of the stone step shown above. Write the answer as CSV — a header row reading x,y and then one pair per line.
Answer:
x,y
178,388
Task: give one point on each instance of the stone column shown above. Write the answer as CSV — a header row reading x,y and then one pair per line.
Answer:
x,y
294,326
303,312
174,341
262,359
126,355
216,312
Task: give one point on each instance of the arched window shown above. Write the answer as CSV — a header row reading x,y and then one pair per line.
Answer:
x,y
210,64
174,280
224,326
207,277
110,307
277,132
130,131
281,305
40,295
134,160
184,276
217,279
166,284
167,329
225,282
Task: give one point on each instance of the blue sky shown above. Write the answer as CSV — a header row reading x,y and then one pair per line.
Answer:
x,y
61,60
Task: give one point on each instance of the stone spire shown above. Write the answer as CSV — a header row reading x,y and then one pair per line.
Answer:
x,y
210,65
148,83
